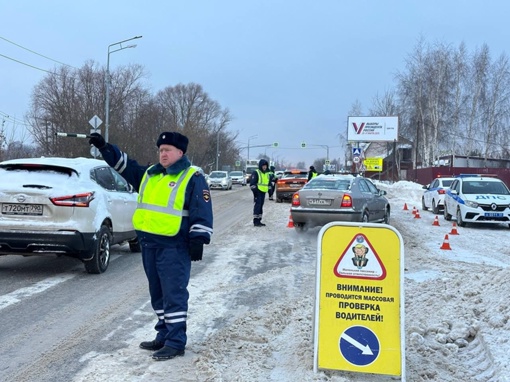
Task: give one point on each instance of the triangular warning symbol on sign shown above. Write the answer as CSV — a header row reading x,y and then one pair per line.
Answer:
x,y
360,261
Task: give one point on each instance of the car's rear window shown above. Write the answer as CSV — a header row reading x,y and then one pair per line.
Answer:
x,y
38,168
329,184
447,183
295,175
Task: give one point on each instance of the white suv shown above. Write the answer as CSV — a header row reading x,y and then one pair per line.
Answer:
x,y
477,199
60,206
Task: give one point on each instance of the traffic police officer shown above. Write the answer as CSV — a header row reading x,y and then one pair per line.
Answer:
x,y
259,184
272,182
173,221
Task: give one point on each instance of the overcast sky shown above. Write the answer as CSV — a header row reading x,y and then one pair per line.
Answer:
x,y
289,71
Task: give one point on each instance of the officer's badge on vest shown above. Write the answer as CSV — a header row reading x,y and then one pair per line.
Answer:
x,y
171,184
206,195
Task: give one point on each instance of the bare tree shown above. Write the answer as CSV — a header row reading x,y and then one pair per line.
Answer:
x,y
495,109
190,110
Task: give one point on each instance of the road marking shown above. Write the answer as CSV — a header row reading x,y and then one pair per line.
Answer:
x,y
17,295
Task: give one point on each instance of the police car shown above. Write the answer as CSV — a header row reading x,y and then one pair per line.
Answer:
x,y
433,196
477,199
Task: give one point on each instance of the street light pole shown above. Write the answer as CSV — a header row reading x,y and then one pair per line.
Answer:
x,y
218,147
107,82
249,139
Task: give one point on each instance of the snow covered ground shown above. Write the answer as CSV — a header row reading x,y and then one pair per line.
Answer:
x,y
252,306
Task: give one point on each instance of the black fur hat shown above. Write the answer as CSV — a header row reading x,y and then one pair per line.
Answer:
x,y
173,138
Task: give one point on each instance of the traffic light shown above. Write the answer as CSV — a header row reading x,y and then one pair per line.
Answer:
x,y
303,145
275,144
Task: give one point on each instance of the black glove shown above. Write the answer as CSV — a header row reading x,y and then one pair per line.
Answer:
x,y
196,249
97,140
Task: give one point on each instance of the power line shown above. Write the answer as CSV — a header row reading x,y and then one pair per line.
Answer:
x,y
13,120
24,63
31,51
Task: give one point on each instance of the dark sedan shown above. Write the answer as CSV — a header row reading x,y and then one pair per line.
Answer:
x,y
347,198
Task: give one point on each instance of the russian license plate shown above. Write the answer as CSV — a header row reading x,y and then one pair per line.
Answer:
x,y
295,185
319,202
493,214
22,209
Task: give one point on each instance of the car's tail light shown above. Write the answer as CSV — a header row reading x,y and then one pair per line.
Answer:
x,y
295,200
441,191
346,201
78,200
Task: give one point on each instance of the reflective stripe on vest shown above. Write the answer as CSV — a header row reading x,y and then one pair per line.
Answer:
x,y
263,181
161,203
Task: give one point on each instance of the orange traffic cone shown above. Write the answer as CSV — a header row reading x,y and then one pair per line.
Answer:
x,y
436,221
414,210
454,229
417,215
446,243
405,207
290,224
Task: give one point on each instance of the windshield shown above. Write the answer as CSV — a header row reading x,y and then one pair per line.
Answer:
x,y
217,175
236,173
481,187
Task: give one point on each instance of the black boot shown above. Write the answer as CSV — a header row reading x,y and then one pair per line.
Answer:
x,y
152,345
166,352
257,223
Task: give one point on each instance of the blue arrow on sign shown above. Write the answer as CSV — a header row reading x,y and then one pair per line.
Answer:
x,y
359,345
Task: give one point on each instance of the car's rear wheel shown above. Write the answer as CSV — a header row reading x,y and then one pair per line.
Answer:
x,y
460,222
435,208
101,252
447,216
423,206
386,219
300,227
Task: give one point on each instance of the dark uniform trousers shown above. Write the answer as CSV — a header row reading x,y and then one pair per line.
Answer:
x,y
168,269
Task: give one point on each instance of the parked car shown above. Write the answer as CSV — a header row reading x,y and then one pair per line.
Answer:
x,y
433,196
59,206
219,179
477,199
328,198
238,177
290,182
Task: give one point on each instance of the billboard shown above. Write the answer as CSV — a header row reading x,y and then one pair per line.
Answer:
x,y
372,129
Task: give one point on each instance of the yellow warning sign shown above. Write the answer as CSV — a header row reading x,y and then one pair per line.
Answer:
x,y
373,164
359,299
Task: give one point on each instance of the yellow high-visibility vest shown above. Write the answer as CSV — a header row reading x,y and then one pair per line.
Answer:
x,y
161,203
263,181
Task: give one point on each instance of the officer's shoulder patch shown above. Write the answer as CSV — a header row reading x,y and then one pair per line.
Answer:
x,y
207,195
